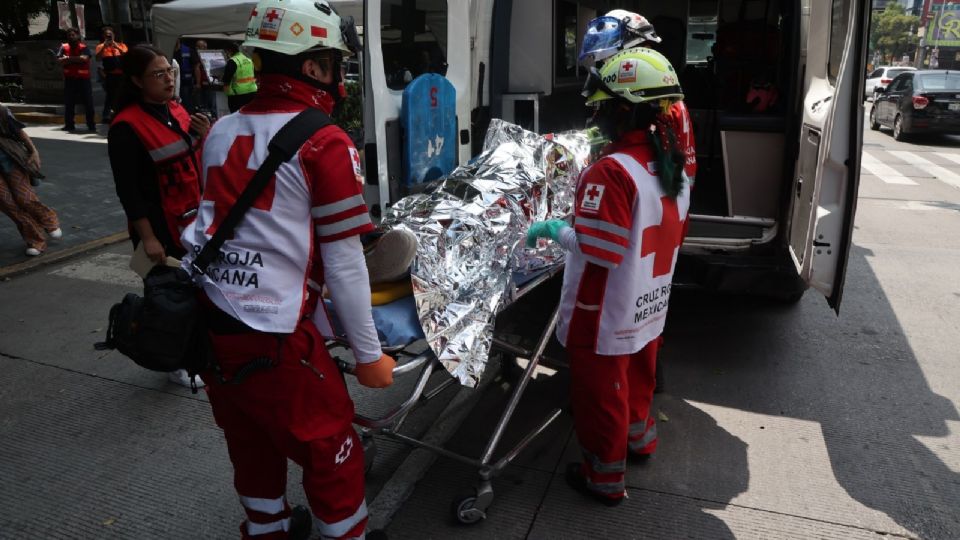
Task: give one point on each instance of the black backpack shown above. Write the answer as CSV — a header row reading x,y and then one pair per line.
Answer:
x,y
163,330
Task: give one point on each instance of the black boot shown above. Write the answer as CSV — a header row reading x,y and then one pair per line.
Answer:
x,y
301,523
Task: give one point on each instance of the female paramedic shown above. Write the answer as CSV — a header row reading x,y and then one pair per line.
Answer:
x,y
154,149
630,210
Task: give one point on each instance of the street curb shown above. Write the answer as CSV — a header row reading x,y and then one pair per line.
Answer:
x,y
17,269
404,480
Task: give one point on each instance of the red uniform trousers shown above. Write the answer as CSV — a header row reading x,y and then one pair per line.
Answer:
x,y
611,398
298,409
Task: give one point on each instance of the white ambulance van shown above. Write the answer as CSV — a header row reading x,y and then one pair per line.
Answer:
x,y
774,88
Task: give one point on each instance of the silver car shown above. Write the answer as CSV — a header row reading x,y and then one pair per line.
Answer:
x,y
880,78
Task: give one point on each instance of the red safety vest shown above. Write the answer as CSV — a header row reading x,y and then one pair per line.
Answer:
x,y
176,162
76,71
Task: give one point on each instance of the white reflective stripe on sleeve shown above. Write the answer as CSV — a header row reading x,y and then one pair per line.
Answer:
x,y
599,262
585,307
168,151
604,226
314,286
325,210
265,506
342,527
343,225
587,240
256,529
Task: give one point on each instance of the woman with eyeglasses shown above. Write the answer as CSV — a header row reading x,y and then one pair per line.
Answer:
x,y
154,148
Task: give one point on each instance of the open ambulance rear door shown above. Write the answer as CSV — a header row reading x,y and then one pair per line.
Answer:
x,y
398,34
828,165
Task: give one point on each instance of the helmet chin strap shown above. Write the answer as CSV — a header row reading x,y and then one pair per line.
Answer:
x,y
333,88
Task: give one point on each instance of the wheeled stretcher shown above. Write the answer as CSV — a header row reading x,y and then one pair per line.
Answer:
x,y
399,329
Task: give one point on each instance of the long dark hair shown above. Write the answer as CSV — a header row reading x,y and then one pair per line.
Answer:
x,y
135,64
648,117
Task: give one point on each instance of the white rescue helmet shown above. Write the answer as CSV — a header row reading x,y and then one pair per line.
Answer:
x,y
616,31
295,26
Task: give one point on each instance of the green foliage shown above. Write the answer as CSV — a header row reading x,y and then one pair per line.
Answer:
x,y
349,114
15,18
893,32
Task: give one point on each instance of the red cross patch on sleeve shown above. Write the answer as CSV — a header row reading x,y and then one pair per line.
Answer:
x,y
355,160
592,196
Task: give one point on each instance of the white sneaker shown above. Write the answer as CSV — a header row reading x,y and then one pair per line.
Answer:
x,y
33,252
180,377
56,233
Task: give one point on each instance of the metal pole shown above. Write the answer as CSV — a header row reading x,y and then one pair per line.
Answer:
x,y
521,386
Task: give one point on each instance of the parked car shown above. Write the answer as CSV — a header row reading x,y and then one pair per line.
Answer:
x,y
880,78
919,102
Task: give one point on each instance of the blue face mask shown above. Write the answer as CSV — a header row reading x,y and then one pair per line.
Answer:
x,y
603,35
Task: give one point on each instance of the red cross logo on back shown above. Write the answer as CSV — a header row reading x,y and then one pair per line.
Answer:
x,y
628,66
662,240
272,15
226,183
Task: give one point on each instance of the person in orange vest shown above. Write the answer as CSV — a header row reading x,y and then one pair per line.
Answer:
x,y
154,148
74,56
108,52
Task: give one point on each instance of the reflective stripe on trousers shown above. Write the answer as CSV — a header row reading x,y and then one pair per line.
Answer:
x,y
267,507
600,467
607,488
647,435
342,527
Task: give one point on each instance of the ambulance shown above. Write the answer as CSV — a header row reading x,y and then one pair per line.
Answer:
x,y
774,88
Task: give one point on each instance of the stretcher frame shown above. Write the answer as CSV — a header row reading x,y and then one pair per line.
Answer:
x,y
471,508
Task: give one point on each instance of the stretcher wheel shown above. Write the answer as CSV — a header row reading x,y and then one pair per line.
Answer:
x,y
465,510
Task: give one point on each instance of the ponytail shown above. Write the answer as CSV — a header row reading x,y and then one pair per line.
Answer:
x,y
670,157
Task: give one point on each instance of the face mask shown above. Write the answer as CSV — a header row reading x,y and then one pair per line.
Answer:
x,y
605,120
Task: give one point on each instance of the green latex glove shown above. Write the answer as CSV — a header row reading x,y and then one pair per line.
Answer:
x,y
545,229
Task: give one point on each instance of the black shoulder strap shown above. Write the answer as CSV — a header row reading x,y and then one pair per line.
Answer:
x,y
283,146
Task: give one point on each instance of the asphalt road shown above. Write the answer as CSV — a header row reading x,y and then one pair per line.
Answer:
x,y
778,421
781,421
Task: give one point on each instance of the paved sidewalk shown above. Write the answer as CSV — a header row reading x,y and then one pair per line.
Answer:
x,y
79,187
94,447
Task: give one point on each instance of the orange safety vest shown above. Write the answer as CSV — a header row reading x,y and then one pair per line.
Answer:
x,y
76,71
110,57
176,161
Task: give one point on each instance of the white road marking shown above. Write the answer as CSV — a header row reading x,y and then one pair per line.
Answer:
x,y
883,171
940,173
952,157
923,206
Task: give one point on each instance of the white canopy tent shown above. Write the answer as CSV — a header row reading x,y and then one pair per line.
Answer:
x,y
189,17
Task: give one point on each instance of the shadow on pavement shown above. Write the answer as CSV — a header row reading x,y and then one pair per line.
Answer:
x,y
531,498
855,376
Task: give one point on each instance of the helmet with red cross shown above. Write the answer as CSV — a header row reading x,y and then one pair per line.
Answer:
x,y
292,27
636,75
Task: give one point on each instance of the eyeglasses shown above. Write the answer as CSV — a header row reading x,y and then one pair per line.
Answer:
x,y
161,74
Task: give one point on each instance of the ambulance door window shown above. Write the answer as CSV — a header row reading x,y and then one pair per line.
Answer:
x,y
413,39
838,37
565,41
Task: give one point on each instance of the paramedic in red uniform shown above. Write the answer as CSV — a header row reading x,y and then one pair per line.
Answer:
x,y
154,148
281,396
618,30
631,206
